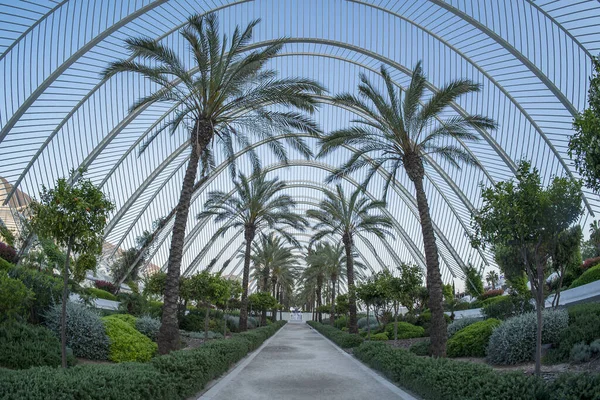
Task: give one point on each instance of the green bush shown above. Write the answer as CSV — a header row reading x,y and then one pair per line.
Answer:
x,y
380,336
584,327
15,298
24,346
129,319
514,341
421,348
405,330
442,378
340,322
5,265
47,290
148,326
459,324
504,307
126,343
178,375
439,378
233,323
133,303
85,332
472,340
362,322
101,294
342,339
589,276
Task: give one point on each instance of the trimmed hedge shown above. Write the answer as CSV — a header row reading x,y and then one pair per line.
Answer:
x,y
405,330
24,346
178,375
472,340
101,294
126,343
442,378
589,276
343,339
380,336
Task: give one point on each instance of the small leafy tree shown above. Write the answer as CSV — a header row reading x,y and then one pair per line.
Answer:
x,y
369,293
341,305
208,289
74,216
565,252
262,301
584,145
235,291
527,217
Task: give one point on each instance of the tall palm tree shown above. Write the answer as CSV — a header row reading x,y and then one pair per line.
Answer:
x,y
395,134
273,263
318,271
225,95
349,217
492,278
258,204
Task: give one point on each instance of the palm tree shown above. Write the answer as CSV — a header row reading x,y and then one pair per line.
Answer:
x,y
317,271
349,217
492,278
258,204
273,262
224,96
394,134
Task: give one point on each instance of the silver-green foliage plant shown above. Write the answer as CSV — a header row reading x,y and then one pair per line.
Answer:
x,y
582,352
148,326
362,323
458,324
85,332
514,341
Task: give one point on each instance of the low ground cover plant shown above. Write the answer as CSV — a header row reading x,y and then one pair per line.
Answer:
x,y
442,378
178,375
341,338
589,276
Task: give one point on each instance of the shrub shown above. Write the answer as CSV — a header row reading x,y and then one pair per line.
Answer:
x,y
5,265
233,323
580,353
15,298
362,322
8,253
155,309
421,348
491,293
193,321
85,332
590,262
101,294
472,340
129,319
133,303
127,344
47,290
107,286
589,276
24,346
504,307
570,386
405,330
442,378
584,327
341,322
148,326
514,341
380,336
458,324
342,339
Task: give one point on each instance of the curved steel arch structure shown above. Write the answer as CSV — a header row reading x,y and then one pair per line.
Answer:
x,y
533,59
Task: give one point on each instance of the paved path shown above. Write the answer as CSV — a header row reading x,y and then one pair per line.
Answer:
x,y
299,363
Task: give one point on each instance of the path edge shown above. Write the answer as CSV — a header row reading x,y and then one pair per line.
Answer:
x,y
404,395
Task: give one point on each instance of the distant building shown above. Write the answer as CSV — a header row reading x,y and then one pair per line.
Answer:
x,y
16,205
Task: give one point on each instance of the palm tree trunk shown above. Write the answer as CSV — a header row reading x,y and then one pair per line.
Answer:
x,y
368,324
249,232
332,312
414,168
65,298
274,289
352,323
319,303
168,335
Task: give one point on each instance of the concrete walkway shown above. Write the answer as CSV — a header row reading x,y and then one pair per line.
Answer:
x,y
299,363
